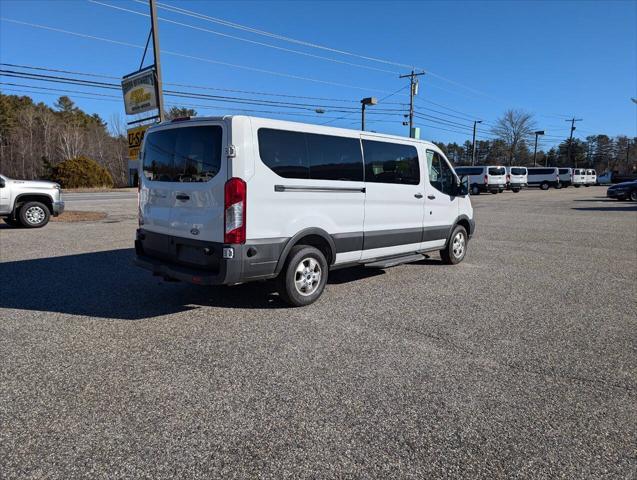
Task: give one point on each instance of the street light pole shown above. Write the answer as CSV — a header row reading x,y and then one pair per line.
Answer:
x,y
539,132
473,155
364,102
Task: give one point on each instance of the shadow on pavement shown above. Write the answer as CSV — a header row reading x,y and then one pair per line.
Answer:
x,y
107,285
617,208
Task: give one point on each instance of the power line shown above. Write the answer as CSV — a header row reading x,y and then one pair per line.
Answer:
x,y
229,24
254,42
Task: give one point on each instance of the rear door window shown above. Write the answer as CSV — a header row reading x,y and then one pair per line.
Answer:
x,y
497,171
185,154
518,171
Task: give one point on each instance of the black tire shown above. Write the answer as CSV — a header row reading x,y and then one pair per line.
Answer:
x,y
287,280
587,185
558,186
544,185
34,215
494,191
576,186
448,255
633,196
475,190
515,190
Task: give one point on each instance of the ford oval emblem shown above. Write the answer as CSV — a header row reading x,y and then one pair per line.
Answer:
x,y
194,231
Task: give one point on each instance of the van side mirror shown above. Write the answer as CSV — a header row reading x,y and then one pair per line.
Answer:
x,y
462,186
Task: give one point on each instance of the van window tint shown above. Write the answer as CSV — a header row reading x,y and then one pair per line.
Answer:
x,y
185,154
284,152
541,171
334,158
563,171
497,171
311,156
469,170
518,171
440,174
391,163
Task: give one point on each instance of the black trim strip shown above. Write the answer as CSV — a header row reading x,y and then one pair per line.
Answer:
x,y
353,241
295,188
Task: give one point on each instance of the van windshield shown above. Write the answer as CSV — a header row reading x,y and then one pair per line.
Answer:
x,y
518,171
184,154
497,171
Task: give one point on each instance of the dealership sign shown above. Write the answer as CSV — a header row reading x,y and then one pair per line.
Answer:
x,y
135,139
140,91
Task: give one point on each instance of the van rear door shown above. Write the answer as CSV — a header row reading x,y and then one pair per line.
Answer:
x,y
182,186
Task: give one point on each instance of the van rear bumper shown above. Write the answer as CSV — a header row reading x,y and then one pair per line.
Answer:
x,y
203,263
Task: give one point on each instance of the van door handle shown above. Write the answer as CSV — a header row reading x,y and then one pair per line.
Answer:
x,y
182,196
418,195
431,197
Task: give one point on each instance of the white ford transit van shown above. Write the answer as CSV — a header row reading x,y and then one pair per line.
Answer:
x,y
227,200
591,177
566,176
579,177
544,177
517,178
488,178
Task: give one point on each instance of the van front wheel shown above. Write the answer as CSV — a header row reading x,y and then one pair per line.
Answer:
x,y
456,247
303,277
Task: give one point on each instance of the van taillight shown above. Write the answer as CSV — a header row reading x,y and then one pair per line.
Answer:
x,y
235,211
508,177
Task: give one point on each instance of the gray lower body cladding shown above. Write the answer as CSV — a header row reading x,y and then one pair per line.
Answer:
x,y
201,262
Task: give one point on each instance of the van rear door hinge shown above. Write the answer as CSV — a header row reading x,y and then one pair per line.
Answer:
x,y
231,151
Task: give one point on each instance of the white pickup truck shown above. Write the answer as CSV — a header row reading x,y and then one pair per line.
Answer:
x,y
29,203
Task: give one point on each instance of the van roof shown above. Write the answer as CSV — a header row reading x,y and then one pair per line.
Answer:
x,y
300,125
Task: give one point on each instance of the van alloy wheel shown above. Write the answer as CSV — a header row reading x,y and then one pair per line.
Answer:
x,y
458,245
307,277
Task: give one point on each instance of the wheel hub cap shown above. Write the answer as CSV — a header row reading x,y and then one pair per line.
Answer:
x,y
458,245
307,276
34,215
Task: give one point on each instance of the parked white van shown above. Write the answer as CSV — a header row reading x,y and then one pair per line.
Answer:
x,y
487,178
227,200
517,178
591,177
579,177
566,176
544,177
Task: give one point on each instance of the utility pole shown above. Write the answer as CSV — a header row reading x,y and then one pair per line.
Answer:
x,y
570,140
473,155
156,53
413,91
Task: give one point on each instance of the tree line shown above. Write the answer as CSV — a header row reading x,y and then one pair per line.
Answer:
x,y
514,145
35,138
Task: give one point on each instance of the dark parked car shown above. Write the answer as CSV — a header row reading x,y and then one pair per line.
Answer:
x,y
623,191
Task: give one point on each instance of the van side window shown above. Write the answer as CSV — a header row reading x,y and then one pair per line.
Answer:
x,y
334,158
440,173
391,163
311,156
284,152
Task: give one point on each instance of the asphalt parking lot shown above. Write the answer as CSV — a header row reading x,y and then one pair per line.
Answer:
x,y
519,362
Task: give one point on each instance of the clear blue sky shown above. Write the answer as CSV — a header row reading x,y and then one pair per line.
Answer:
x,y
553,59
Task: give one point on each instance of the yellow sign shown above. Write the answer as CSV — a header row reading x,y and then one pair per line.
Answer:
x,y
135,139
139,91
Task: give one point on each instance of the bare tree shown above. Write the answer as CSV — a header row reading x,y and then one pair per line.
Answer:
x,y
512,128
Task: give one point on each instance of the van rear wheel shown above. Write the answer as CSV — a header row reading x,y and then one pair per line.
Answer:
x,y
544,186
304,275
456,247
475,190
